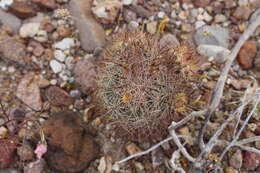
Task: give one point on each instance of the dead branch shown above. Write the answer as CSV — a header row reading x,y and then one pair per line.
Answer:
x,y
219,88
241,129
174,161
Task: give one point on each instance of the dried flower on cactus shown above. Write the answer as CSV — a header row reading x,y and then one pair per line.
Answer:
x,y
143,86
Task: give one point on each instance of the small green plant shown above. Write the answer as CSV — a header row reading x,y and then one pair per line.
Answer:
x,y
143,86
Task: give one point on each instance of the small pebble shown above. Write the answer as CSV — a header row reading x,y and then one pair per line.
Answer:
x,y
127,2
220,18
56,66
3,132
64,44
59,55
53,82
29,30
161,15
133,24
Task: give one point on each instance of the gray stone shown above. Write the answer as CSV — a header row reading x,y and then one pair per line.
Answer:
x,y
212,35
5,3
199,24
9,170
217,52
38,166
170,40
91,33
56,66
236,159
10,21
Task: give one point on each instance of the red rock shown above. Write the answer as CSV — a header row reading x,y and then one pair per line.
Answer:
x,y
251,160
242,13
38,49
49,27
58,96
50,4
7,150
240,84
70,148
230,3
12,49
201,3
22,10
85,75
29,92
246,55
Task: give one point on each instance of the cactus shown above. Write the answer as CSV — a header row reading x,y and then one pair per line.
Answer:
x,y
143,86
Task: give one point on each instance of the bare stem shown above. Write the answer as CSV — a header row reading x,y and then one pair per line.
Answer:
x,y
219,88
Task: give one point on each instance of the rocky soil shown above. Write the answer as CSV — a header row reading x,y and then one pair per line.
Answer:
x,y
48,50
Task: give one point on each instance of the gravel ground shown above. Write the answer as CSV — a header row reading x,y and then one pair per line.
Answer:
x,y
47,79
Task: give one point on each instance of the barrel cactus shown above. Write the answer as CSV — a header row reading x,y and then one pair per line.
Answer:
x,y
143,85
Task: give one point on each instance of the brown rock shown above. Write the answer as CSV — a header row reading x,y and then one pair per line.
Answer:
x,y
251,160
25,153
70,148
201,3
257,130
257,144
38,49
22,10
246,55
255,4
242,13
111,11
12,50
7,150
230,170
63,31
29,92
132,148
58,96
85,75
91,33
50,4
